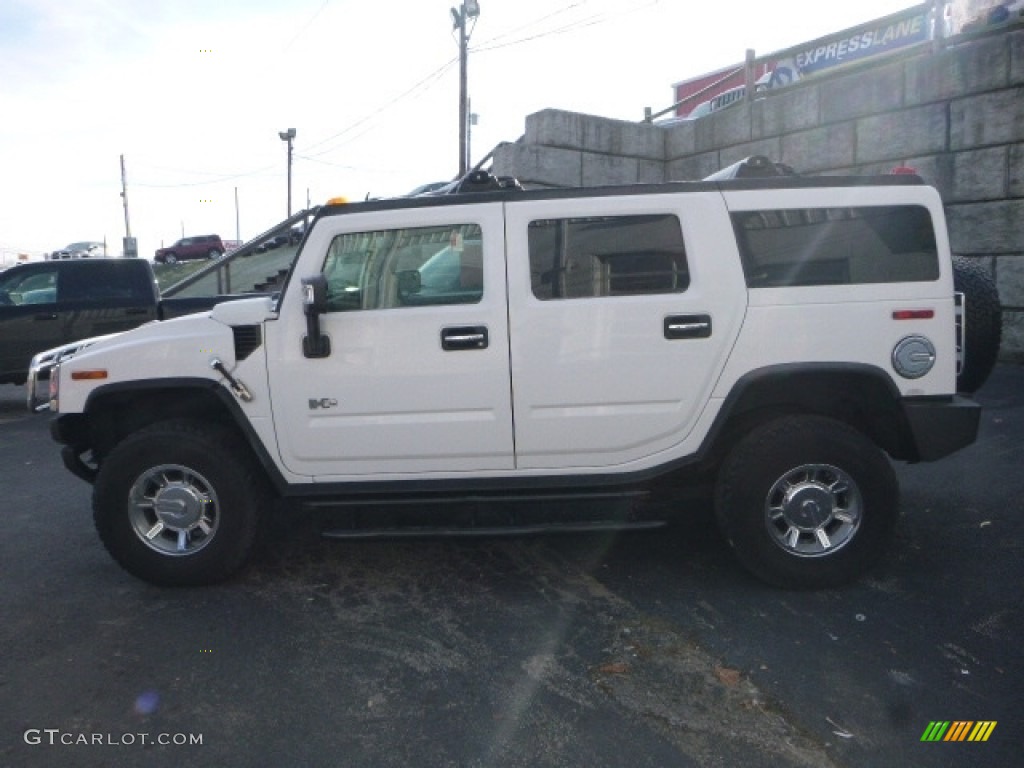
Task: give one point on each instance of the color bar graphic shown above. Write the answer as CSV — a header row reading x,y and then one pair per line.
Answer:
x,y
958,730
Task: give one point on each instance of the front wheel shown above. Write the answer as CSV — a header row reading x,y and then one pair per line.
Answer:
x,y
213,254
180,503
807,502
170,258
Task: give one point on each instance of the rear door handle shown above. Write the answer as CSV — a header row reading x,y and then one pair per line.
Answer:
x,y
136,311
464,337
46,316
688,326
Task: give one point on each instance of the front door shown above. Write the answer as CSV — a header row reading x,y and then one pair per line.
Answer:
x,y
30,319
416,383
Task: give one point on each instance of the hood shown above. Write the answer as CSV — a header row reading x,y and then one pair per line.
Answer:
x,y
244,311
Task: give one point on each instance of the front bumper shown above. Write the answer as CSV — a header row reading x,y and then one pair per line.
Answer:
x,y
72,431
941,426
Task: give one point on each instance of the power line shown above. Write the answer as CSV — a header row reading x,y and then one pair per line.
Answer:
x,y
422,85
217,180
305,26
578,24
533,23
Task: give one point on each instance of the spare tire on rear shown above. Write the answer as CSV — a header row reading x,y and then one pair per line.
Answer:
x,y
983,322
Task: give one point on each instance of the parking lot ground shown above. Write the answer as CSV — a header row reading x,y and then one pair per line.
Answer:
x,y
634,650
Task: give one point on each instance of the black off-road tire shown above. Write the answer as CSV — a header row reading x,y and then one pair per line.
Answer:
x,y
784,476
983,323
202,479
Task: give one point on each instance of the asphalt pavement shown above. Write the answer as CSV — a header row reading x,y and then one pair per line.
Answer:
x,y
649,649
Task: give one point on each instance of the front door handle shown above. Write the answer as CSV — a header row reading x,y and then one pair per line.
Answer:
x,y
42,316
687,327
464,337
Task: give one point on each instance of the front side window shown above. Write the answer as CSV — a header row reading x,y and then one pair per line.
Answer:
x,y
837,246
410,267
607,256
38,287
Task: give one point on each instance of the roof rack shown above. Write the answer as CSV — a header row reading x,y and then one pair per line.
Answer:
x,y
475,181
753,167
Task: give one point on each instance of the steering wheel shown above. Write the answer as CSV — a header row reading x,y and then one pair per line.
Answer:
x,y
5,299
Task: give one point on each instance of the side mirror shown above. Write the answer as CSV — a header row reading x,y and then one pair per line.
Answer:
x,y
314,303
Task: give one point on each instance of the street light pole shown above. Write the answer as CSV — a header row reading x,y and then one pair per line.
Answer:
x,y
470,9
289,136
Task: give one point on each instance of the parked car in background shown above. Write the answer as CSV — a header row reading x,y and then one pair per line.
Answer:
x,y
196,247
288,237
45,304
82,250
52,308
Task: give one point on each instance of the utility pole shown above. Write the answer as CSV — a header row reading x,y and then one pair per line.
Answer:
x,y
470,9
130,247
289,136
238,225
124,199
471,120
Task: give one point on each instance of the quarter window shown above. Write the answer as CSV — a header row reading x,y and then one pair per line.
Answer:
x,y
405,268
104,282
607,256
837,246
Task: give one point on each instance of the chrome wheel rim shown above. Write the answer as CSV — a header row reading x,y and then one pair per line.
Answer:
x,y
173,510
813,510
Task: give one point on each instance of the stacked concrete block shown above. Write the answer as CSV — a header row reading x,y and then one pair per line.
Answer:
x,y
955,114
567,149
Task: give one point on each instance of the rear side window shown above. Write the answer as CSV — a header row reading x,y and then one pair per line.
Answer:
x,y
607,256
104,283
837,246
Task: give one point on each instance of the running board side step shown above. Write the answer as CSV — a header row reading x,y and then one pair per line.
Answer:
x,y
492,531
482,515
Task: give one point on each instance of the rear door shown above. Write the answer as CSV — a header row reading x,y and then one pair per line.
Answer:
x,y
623,310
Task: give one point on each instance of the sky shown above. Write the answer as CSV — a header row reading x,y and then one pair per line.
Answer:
x,y
194,93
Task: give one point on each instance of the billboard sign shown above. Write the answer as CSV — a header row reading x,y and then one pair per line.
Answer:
x,y
891,34
874,38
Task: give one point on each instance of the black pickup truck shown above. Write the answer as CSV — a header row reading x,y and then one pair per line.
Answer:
x,y
47,304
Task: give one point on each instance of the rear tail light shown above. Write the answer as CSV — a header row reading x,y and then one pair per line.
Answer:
x,y
959,312
913,314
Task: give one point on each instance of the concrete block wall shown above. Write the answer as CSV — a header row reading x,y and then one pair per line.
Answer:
x,y
956,115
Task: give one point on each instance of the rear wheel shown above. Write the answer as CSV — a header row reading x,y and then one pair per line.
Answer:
x,y
807,502
180,503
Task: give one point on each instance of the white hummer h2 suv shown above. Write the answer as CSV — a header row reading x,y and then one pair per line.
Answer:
x,y
780,338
